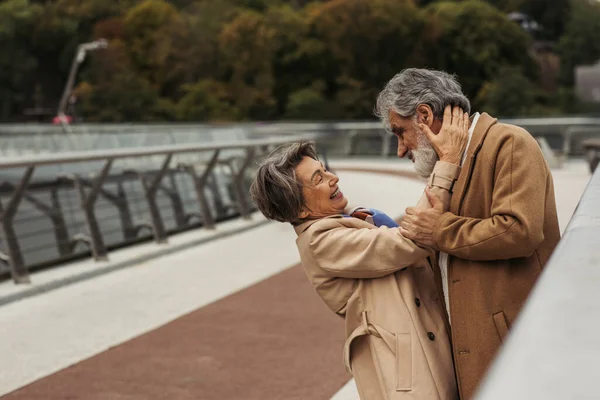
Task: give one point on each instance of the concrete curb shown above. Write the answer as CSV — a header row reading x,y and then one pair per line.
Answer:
x,y
62,282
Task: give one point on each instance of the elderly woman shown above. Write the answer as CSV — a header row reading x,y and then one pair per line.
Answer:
x,y
385,286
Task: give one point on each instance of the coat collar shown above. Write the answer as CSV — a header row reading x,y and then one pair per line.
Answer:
x,y
482,128
484,123
305,225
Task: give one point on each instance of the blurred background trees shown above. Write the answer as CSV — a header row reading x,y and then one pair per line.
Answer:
x,y
232,60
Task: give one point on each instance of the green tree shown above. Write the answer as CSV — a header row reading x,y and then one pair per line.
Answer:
x,y
363,44
247,47
474,40
258,5
54,40
126,98
116,92
580,45
510,93
549,13
17,62
154,33
309,103
206,100
293,63
268,59
201,59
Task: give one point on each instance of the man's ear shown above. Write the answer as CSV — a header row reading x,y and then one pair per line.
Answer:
x,y
425,115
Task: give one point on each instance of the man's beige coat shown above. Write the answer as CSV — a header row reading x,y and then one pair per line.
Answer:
x,y
389,293
499,232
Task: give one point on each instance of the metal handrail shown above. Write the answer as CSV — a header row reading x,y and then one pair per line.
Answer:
x,y
99,155
552,351
563,133
17,129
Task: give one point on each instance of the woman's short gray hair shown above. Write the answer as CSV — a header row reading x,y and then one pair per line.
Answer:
x,y
276,190
414,86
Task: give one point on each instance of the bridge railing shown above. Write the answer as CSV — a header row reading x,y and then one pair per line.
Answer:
x,y
563,135
552,351
134,186
58,206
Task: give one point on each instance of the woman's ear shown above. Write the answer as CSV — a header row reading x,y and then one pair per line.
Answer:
x,y
304,213
425,115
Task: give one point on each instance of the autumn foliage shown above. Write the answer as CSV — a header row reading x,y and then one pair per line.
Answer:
x,y
234,60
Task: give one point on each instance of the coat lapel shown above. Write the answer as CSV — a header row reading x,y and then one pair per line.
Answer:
x,y
484,124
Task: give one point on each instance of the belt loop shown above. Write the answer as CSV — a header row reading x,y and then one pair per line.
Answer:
x,y
365,322
369,328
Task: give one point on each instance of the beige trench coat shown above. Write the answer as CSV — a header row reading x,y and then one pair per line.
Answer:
x,y
499,232
389,293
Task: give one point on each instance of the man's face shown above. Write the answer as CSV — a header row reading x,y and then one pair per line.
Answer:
x,y
413,143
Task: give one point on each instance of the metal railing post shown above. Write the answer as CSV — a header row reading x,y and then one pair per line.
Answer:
x,y
173,194
88,202
199,185
120,201
18,270
238,184
61,232
348,143
566,146
150,190
54,212
213,184
386,139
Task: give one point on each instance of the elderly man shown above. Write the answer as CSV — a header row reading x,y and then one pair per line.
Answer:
x,y
501,227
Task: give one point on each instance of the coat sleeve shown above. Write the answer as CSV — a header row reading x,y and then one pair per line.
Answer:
x,y
440,184
515,228
372,253
362,252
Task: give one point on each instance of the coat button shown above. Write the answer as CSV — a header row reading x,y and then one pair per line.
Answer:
x,y
431,336
417,302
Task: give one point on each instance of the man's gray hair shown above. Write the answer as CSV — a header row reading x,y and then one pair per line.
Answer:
x,y
276,190
414,86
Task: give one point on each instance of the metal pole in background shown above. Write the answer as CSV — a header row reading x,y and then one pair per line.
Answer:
x,y
77,60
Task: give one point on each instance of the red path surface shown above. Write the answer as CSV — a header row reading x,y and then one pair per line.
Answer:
x,y
273,340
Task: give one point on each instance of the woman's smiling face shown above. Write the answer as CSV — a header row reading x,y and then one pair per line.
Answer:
x,y
322,196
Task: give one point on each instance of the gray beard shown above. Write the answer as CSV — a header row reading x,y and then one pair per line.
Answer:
x,y
425,156
425,159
